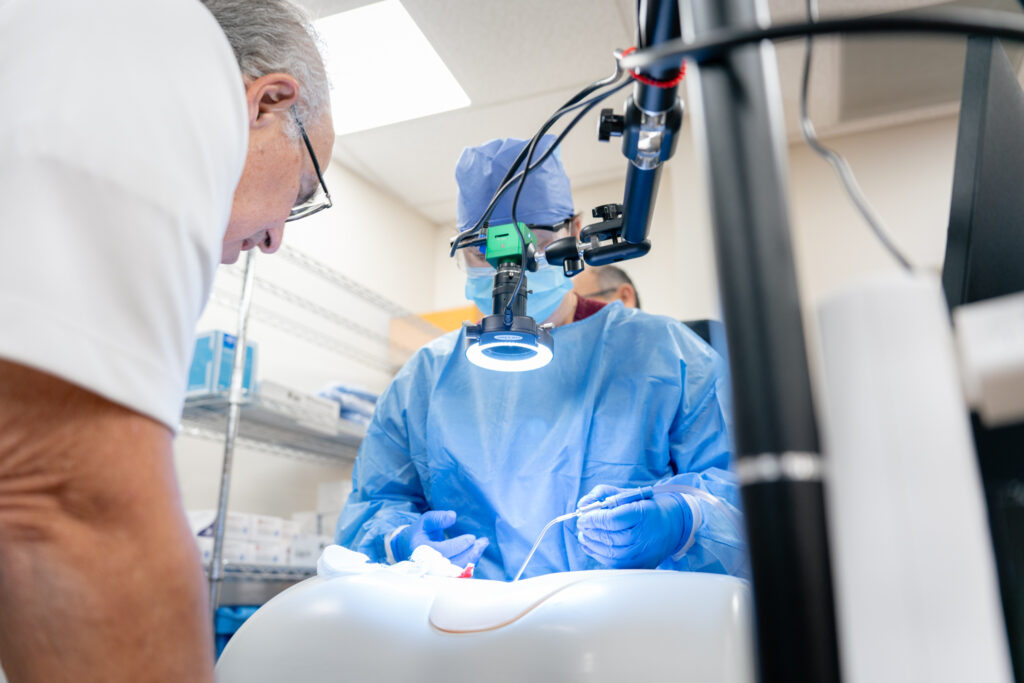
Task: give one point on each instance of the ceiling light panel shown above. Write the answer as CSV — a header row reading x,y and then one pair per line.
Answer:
x,y
383,69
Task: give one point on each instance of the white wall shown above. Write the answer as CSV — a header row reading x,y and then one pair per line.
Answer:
x,y
449,280
370,237
906,172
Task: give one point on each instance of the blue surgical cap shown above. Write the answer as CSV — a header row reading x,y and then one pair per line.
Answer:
x,y
546,198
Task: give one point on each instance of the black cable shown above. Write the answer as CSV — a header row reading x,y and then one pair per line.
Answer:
x,y
562,111
570,104
836,160
508,181
596,85
588,104
951,21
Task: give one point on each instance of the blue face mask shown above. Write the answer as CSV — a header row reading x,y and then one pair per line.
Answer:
x,y
548,286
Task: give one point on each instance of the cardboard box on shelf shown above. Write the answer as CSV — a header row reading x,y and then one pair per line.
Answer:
x,y
308,521
327,522
306,549
289,530
237,525
235,552
271,553
205,544
266,527
239,552
308,409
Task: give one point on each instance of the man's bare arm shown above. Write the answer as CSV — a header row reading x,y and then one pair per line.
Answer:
x,y
99,579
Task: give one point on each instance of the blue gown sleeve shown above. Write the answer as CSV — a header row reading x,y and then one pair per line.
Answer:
x,y
386,489
700,452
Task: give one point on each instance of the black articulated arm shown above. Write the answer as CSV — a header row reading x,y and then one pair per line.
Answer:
x,y
652,120
649,129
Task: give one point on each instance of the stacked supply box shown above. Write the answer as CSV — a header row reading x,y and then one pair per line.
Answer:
x,y
313,532
306,522
330,499
260,539
238,544
311,411
306,549
248,539
212,361
272,545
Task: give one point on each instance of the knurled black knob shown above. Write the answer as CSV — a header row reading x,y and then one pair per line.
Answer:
x,y
572,266
607,212
610,125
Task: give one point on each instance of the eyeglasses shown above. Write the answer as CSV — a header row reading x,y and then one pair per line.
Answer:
x,y
600,292
315,203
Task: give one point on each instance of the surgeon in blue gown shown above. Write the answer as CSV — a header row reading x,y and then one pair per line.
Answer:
x,y
474,462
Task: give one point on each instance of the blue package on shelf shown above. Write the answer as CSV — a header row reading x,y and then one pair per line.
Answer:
x,y
229,620
212,361
354,416
354,401
342,389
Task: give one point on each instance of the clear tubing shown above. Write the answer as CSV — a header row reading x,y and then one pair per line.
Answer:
x,y
657,488
560,518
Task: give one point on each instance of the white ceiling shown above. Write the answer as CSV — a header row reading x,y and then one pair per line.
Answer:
x,y
519,60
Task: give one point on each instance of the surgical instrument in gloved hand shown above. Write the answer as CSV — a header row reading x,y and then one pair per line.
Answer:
x,y
594,501
639,531
429,530
624,496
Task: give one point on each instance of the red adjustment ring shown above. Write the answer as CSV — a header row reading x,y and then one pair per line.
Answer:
x,y
647,80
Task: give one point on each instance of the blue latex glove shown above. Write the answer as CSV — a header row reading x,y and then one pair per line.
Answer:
x,y
429,530
638,535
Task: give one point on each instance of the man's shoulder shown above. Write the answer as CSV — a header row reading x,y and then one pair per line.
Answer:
x,y
421,370
655,333
633,318
434,353
444,345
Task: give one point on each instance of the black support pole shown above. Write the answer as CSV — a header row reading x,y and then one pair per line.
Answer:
x,y
776,438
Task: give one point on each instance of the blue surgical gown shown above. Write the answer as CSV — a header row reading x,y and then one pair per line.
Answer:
x,y
629,399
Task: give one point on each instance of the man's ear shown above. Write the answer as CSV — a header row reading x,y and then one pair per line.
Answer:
x,y
577,224
269,97
626,294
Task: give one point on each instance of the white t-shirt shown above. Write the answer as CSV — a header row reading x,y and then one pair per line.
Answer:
x,y
123,134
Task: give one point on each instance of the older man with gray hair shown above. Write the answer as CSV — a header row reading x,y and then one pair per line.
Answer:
x,y
607,284
142,142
